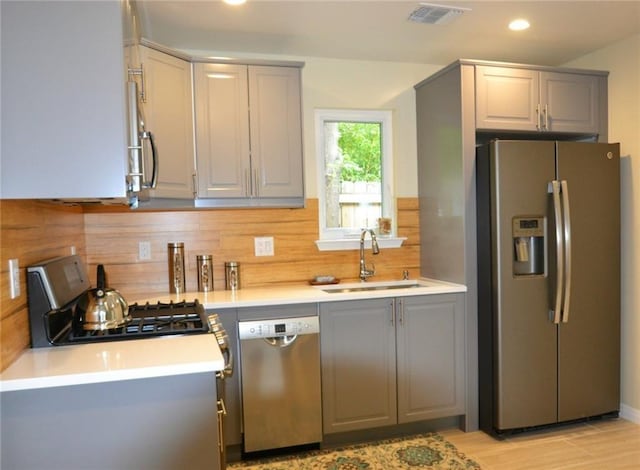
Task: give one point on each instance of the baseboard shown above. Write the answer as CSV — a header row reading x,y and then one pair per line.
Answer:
x,y
630,414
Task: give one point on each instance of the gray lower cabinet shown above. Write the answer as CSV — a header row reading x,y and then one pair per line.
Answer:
x,y
159,423
391,361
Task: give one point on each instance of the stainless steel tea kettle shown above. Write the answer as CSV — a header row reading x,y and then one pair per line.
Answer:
x,y
102,308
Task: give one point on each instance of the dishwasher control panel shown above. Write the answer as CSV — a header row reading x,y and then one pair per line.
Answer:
x,y
280,327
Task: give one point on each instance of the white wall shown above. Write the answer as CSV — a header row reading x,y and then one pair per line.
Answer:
x,y
348,84
622,60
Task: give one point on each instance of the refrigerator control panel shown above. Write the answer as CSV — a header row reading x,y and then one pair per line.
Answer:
x,y
528,227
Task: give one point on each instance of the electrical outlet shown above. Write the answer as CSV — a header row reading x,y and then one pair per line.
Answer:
x,y
14,278
144,251
263,246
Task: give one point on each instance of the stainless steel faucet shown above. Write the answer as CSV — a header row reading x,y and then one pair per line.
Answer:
x,y
364,272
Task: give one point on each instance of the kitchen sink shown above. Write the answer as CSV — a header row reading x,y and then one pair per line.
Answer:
x,y
373,287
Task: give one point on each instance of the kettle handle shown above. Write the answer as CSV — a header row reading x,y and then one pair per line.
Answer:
x,y
101,283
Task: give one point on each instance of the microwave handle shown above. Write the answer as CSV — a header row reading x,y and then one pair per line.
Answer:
x,y
146,135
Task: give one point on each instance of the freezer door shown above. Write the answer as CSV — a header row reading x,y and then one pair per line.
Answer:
x,y
525,347
589,342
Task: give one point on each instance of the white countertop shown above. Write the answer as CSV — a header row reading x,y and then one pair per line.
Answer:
x,y
111,361
296,294
175,355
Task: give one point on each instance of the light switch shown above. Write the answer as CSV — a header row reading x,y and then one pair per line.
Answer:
x,y
263,246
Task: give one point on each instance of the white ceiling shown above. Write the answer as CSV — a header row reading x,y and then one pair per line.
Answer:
x,y
379,30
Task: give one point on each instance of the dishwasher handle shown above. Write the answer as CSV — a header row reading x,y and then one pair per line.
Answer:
x,y
281,341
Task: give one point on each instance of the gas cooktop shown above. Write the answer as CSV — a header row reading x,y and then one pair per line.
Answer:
x,y
149,320
54,289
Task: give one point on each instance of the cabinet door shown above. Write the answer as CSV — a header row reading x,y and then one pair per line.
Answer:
x,y
357,340
570,102
159,423
169,117
430,348
507,98
276,133
222,130
63,100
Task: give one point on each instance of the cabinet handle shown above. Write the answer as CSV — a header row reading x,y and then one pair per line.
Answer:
x,y
538,117
222,411
546,117
393,313
247,183
401,319
256,180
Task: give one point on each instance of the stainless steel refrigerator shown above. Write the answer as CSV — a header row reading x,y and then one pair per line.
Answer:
x,y
549,282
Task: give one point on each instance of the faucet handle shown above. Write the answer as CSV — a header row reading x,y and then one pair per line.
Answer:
x,y
369,272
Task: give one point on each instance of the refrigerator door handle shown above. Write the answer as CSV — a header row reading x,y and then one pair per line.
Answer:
x,y
567,250
554,189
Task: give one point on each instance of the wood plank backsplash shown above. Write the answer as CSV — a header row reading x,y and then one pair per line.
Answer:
x,y
228,235
33,231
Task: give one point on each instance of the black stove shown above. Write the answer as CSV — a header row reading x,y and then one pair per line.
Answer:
x,y
54,288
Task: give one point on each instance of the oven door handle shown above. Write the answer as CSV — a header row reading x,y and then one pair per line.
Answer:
x,y
227,371
228,363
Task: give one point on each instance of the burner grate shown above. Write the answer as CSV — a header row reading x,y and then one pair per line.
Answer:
x,y
151,320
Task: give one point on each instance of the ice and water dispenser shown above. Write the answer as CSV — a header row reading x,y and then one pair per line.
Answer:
x,y
528,246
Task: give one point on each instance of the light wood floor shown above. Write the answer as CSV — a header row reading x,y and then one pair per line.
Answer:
x,y
599,445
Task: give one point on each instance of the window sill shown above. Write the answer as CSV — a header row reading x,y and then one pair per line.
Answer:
x,y
354,243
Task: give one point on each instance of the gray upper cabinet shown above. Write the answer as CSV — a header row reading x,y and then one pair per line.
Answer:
x,y
63,100
222,130
248,135
524,99
168,111
392,361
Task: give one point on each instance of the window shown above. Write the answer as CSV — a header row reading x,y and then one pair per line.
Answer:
x,y
355,180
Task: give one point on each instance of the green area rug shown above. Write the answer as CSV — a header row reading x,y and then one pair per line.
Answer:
x,y
425,451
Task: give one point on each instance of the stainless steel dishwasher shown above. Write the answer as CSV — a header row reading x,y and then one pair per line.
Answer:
x,y
280,361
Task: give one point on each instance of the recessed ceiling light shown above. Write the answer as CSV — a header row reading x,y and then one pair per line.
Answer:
x,y
234,2
519,25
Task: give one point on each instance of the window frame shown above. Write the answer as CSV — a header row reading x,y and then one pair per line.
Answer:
x,y
382,117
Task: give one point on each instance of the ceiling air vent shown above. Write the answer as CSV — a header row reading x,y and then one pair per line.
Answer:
x,y
436,14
